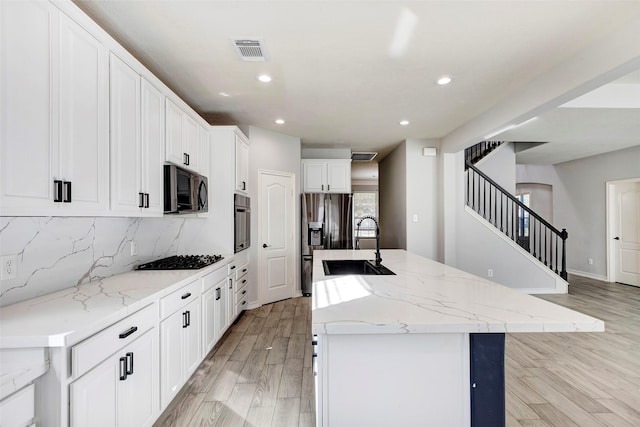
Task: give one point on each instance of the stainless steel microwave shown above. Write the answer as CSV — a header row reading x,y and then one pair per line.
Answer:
x,y
242,223
184,191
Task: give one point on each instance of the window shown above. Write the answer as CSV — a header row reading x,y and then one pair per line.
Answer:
x,y
523,216
365,203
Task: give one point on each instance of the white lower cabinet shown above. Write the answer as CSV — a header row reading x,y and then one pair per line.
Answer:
x,y
179,346
121,391
212,285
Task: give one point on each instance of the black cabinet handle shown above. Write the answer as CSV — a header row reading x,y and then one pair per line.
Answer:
x,y
322,187
218,294
130,363
233,267
146,200
244,302
185,296
244,270
141,200
230,283
184,319
57,191
123,368
188,318
244,292
128,332
244,185
67,192
244,281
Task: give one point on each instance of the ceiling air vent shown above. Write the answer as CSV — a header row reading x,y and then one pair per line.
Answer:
x,y
251,49
363,156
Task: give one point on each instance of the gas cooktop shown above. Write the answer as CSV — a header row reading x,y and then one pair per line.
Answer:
x,y
181,262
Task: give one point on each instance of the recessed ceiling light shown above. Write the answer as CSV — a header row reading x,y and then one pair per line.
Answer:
x,y
264,78
404,122
280,121
444,80
225,94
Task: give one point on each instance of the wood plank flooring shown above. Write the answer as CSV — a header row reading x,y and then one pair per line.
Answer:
x,y
260,373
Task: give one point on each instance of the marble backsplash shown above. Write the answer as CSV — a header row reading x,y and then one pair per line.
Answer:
x,y
55,253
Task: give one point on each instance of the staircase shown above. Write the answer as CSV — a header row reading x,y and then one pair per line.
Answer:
x,y
510,216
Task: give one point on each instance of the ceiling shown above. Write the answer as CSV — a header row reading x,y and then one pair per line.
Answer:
x,y
344,73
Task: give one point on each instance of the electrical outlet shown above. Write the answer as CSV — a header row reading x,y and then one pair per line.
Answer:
x,y
134,248
490,272
9,267
590,261
415,217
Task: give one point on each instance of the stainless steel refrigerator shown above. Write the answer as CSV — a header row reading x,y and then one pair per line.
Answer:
x,y
327,223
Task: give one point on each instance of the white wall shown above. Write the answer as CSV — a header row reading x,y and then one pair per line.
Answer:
x,y
393,199
500,166
579,202
275,152
422,199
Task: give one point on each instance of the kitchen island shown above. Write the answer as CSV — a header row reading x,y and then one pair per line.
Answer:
x,y
423,347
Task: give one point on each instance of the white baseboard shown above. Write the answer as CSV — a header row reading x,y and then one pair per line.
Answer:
x,y
588,275
252,305
540,291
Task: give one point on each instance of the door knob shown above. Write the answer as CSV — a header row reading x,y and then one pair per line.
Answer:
x,y
264,245
616,238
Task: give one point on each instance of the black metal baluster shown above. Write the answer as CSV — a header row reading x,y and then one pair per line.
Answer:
x,y
556,254
564,235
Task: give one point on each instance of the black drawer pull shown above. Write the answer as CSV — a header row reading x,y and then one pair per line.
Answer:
x,y
128,332
130,363
244,302
123,368
244,270
185,296
146,200
57,191
67,193
141,202
244,281
233,267
244,292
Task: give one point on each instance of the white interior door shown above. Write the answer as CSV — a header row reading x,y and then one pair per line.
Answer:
x,y
276,222
627,237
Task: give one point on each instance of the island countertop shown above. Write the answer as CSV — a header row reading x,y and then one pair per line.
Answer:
x,y
426,296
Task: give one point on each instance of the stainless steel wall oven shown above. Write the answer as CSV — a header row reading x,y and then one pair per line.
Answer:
x,y
242,223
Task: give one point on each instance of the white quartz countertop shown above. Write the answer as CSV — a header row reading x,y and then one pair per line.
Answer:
x,y
426,296
62,318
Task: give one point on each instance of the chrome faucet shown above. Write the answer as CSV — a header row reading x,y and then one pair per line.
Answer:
x,y
378,257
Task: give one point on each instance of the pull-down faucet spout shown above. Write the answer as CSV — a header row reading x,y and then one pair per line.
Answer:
x,y
378,257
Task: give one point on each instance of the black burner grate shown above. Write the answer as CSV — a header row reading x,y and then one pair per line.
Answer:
x,y
181,262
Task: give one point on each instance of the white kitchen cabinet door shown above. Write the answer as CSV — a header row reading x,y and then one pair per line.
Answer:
x,y
138,398
191,144
53,114
192,348
314,175
126,175
171,356
174,151
121,391
205,152
83,120
326,176
208,321
29,148
179,349
152,148
242,165
230,303
220,310
339,176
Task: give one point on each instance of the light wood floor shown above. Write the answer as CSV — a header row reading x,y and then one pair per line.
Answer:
x,y
260,374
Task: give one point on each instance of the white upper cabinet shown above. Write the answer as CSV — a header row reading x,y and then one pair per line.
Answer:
x,y
242,164
183,138
326,176
53,114
137,141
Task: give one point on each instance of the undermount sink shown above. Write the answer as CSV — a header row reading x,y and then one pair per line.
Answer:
x,y
336,267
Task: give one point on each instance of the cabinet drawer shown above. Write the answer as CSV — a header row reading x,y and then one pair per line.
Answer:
x,y
97,348
183,296
241,305
241,294
232,267
213,278
18,409
242,271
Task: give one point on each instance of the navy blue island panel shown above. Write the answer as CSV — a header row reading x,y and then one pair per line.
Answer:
x,y
487,380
